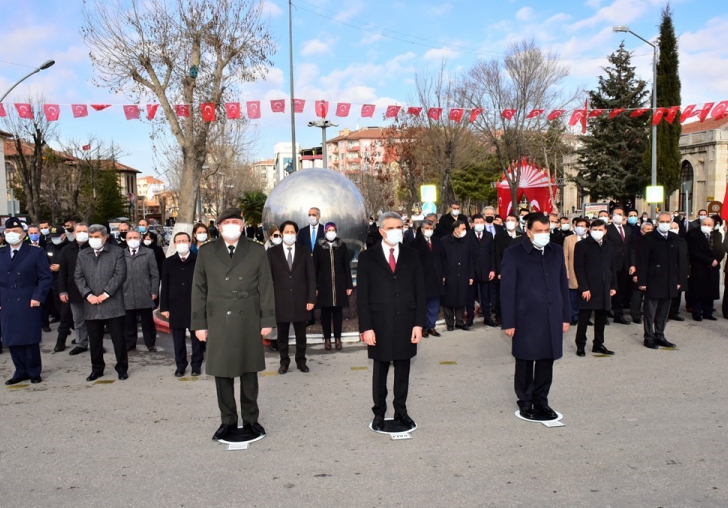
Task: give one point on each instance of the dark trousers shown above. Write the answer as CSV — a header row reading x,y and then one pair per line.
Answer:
x,y
675,304
532,381
702,307
656,312
27,360
635,305
327,314
95,329
248,398
600,320
401,386
620,300
299,329
180,350
66,318
149,331
433,310
49,308
725,297
574,300
453,315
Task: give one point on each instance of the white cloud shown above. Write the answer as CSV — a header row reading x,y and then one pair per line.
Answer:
x,y
524,14
371,38
317,47
271,9
439,10
348,13
440,53
594,4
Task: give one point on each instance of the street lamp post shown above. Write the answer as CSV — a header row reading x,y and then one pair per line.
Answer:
x,y
43,66
323,124
653,176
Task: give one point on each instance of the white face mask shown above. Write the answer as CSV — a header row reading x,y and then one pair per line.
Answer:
x,y
702,218
510,225
394,236
664,227
717,227
231,232
479,228
12,237
371,223
202,237
462,234
675,230
565,227
706,229
96,243
541,240
182,248
427,232
553,225
580,230
597,235
148,242
134,244
331,235
312,221
81,237
289,239
617,219
45,231
276,240
455,213
57,240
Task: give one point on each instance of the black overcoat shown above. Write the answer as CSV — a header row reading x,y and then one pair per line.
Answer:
x,y
502,241
66,279
659,266
483,255
391,304
295,288
431,262
535,300
704,278
444,225
176,295
457,269
621,249
333,273
594,269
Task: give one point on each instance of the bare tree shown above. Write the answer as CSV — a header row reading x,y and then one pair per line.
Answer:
x,y
188,51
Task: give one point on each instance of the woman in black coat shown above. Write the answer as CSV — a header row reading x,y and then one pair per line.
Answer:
x,y
458,274
705,247
333,282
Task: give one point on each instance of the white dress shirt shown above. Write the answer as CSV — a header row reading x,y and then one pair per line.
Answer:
x,y
386,247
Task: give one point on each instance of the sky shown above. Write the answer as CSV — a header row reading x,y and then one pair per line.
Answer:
x,y
367,52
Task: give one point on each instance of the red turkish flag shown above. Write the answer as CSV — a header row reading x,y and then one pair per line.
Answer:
x,y
367,110
321,108
298,105
131,111
615,112
208,111
79,110
151,111
508,114
392,111
555,114
724,210
86,147
414,110
278,106
672,112
456,114
658,114
719,111
702,114
24,110
638,112
232,110
534,113
182,110
52,112
434,113
342,108
253,109
99,107
2,110
579,116
596,112
475,113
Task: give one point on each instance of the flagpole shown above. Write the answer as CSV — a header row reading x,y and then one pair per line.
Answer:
x,y
294,158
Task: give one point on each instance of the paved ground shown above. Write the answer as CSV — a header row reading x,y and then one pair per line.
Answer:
x,y
644,428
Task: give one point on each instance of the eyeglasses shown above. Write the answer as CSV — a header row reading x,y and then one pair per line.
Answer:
x,y
276,235
312,215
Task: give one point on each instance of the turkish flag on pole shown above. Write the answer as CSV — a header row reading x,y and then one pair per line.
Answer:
x,y
322,108
720,111
690,112
253,109
475,113
342,108
534,113
52,112
79,110
24,110
131,111
434,113
555,114
456,114
99,107
508,114
86,148
414,110
208,111
151,111
278,106
232,110
298,105
367,110
392,111
2,110
182,110
657,115
579,116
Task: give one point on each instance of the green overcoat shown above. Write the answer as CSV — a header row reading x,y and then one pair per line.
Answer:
x,y
233,300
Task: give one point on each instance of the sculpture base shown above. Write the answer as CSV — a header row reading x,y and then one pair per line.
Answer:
x,y
559,416
241,436
392,427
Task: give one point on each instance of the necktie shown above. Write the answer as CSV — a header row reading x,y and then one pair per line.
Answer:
x,y
313,238
96,253
480,236
290,259
429,243
231,248
392,261
133,252
12,253
621,233
183,259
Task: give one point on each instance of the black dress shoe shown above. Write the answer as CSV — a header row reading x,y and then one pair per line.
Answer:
x,y
434,332
677,318
637,321
526,410
580,351
123,376
589,323
464,327
47,329
196,373
602,350
405,420
15,380
621,320
651,344
254,428
223,431
303,367
378,423
697,318
664,343
152,349
179,373
36,379
337,344
93,376
327,344
489,322
544,412
710,318
424,333
60,346
77,350
283,368
450,328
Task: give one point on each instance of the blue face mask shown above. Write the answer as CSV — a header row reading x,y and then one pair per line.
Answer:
x,y
632,220
34,237
142,229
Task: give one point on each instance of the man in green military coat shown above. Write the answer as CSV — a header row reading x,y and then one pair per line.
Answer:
x,y
232,306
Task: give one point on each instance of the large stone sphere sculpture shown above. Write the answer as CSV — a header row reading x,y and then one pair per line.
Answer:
x,y
338,198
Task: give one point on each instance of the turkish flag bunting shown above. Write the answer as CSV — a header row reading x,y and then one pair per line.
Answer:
x,y
86,147
208,111
508,114
322,108
555,114
392,111
24,110
719,111
672,113
52,112
594,113
342,108
456,114
182,110
615,112
232,110
413,110
367,110
658,114
475,113
2,110
434,113
151,111
278,106
690,112
253,109
131,111
79,110
578,116
99,107
638,112
298,105
534,113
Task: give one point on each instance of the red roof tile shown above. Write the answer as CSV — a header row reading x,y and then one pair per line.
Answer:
x,y
707,125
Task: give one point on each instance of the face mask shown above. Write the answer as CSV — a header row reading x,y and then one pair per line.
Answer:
x,y
605,219
95,243
617,219
706,229
427,232
565,227
632,220
702,218
455,213
142,229
289,239
70,236
34,237
371,223
675,230
331,235
510,225
479,228
489,219
541,240
134,244
597,235
312,221
717,227
664,227
462,234
12,237
57,240
45,231
231,232
69,230
394,236
182,248
553,225
122,235
82,237
521,220
580,230
277,240
202,237
148,242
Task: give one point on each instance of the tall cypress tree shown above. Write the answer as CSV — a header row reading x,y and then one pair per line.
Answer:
x,y
611,156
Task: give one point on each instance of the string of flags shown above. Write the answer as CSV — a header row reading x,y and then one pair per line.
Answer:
x,y
253,111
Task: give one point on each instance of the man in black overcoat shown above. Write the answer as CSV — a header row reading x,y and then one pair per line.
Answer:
x,y
510,235
444,225
458,275
483,245
594,270
428,246
706,252
391,309
620,236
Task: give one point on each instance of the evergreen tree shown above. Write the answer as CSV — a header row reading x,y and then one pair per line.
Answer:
x,y
611,157
473,182
109,203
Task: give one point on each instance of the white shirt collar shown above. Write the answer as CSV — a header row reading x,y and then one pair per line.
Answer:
x,y
386,247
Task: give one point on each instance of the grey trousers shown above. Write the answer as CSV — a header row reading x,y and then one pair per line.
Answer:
x,y
79,323
656,312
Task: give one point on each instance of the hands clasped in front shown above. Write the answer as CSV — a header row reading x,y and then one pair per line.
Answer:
x,y
512,331
371,340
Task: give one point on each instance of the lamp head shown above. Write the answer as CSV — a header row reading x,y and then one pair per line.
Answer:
x,y
620,28
46,64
